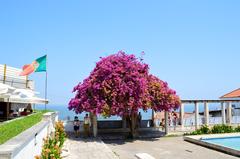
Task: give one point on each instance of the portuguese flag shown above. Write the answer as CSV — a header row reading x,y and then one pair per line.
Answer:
x,y
39,65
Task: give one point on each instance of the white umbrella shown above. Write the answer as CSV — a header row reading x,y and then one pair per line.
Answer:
x,y
11,94
6,89
24,93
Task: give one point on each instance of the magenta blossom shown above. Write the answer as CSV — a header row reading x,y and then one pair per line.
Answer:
x,y
120,85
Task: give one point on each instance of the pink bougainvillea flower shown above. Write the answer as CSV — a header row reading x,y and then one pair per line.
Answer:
x,y
120,84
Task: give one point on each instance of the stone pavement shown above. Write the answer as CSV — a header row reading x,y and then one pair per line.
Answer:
x,y
121,136
90,148
164,148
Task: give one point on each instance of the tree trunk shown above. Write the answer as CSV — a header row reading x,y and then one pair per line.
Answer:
x,y
132,122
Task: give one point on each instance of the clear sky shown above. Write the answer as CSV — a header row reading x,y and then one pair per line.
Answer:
x,y
193,45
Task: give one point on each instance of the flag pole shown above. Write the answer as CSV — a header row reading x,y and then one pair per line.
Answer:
x,y
46,92
46,87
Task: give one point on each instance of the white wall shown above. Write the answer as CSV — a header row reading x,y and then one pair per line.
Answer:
x,y
29,143
34,146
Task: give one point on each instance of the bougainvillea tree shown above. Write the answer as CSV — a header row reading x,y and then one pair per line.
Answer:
x,y
161,96
120,84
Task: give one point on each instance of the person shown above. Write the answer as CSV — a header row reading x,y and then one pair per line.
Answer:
x,y
76,126
24,113
169,119
162,124
139,118
174,120
29,106
15,113
11,113
86,125
68,118
30,111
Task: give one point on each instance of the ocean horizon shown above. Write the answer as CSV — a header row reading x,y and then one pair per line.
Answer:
x,y
64,113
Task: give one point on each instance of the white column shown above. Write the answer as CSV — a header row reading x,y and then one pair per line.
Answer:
x,y
229,113
166,122
94,125
206,113
182,115
223,113
196,115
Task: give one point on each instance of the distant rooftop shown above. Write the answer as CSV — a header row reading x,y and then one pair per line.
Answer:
x,y
233,94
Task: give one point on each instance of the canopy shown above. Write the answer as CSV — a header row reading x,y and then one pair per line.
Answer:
x,y
5,89
14,95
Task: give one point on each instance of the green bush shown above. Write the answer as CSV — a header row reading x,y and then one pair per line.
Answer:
x,y
203,130
217,129
237,129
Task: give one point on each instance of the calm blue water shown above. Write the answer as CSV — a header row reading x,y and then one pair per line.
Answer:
x,y
64,112
231,142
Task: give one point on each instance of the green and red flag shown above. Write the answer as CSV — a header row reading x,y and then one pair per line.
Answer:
x,y
39,65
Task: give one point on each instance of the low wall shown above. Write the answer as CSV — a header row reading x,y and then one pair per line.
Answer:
x,y
29,143
105,125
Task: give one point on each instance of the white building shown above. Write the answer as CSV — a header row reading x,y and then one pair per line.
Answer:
x,y
16,93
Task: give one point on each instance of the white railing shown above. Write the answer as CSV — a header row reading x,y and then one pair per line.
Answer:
x,y
212,121
10,76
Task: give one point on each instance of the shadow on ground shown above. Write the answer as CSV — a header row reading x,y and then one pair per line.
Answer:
x,y
122,138
119,137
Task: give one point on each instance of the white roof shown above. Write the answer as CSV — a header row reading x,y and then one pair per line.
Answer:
x,y
14,95
4,88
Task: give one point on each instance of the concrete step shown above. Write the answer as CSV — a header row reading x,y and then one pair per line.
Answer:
x,y
144,156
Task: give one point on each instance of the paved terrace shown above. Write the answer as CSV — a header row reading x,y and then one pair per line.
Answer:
x,y
90,148
164,148
114,147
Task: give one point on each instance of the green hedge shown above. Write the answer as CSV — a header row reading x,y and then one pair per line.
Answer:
x,y
216,129
13,128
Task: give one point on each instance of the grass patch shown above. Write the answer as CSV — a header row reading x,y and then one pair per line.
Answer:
x,y
13,128
43,111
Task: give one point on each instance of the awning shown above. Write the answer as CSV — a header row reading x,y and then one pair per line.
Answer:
x,y
32,100
14,95
4,88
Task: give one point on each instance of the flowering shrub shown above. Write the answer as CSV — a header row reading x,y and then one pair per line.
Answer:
x,y
51,150
60,134
161,97
120,84
52,146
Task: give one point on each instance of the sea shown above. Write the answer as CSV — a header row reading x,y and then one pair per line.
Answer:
x,y
65,113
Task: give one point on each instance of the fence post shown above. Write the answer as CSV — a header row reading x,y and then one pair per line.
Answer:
x,y
4,73
182,116
223,113
27,81
196,115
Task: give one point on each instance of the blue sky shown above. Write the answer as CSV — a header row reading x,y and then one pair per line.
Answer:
x,y
193,45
